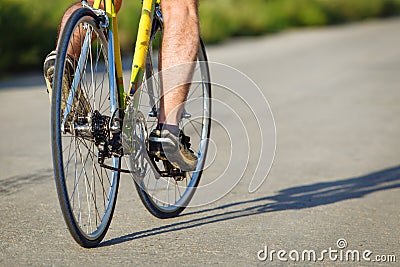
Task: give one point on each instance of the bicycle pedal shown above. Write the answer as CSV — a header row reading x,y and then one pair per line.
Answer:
x,y
178,174
169,170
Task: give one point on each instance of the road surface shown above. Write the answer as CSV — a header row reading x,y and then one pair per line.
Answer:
x,y
335,95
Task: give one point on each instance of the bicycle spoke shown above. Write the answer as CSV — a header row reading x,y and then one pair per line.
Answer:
x,y
193,90
162,195
87,191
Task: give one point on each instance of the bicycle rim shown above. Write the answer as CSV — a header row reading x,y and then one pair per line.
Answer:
x,y
87,192
167,197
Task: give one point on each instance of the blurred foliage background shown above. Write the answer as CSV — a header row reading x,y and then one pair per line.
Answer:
x,y
28,28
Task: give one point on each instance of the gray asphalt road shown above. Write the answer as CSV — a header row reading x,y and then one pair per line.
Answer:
x,y
335,96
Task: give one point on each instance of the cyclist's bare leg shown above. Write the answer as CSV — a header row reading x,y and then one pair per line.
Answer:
x,y
74,50
180,45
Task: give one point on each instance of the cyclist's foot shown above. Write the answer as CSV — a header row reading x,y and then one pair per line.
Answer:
x,y
48,72
176,149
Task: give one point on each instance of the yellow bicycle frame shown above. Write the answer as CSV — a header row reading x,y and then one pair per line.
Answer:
x,y
141,48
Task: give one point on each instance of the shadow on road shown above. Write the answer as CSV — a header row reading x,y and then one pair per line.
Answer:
x,y
12,185
300,197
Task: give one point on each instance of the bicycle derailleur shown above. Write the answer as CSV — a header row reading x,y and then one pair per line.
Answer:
x,y
106,133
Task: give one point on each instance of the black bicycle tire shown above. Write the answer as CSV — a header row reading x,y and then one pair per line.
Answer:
x,y
144,196
69,218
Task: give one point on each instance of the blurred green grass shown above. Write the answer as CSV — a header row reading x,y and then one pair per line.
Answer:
x,y
28,28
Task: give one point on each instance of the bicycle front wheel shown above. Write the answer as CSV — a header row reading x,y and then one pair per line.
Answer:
x,y
166,196
81,110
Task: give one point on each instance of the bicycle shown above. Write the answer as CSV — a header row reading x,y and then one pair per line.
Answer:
x,y
97,124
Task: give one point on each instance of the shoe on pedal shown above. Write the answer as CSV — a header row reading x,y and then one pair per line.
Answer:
x,y
48,72
165,145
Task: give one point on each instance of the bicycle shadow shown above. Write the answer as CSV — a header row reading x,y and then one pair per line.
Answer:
x,y
299,197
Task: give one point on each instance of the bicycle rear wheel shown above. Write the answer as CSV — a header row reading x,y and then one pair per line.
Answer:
x,y
81,110
167,196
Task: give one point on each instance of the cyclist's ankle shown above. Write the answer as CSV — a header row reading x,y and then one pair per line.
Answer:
x,y
174,129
